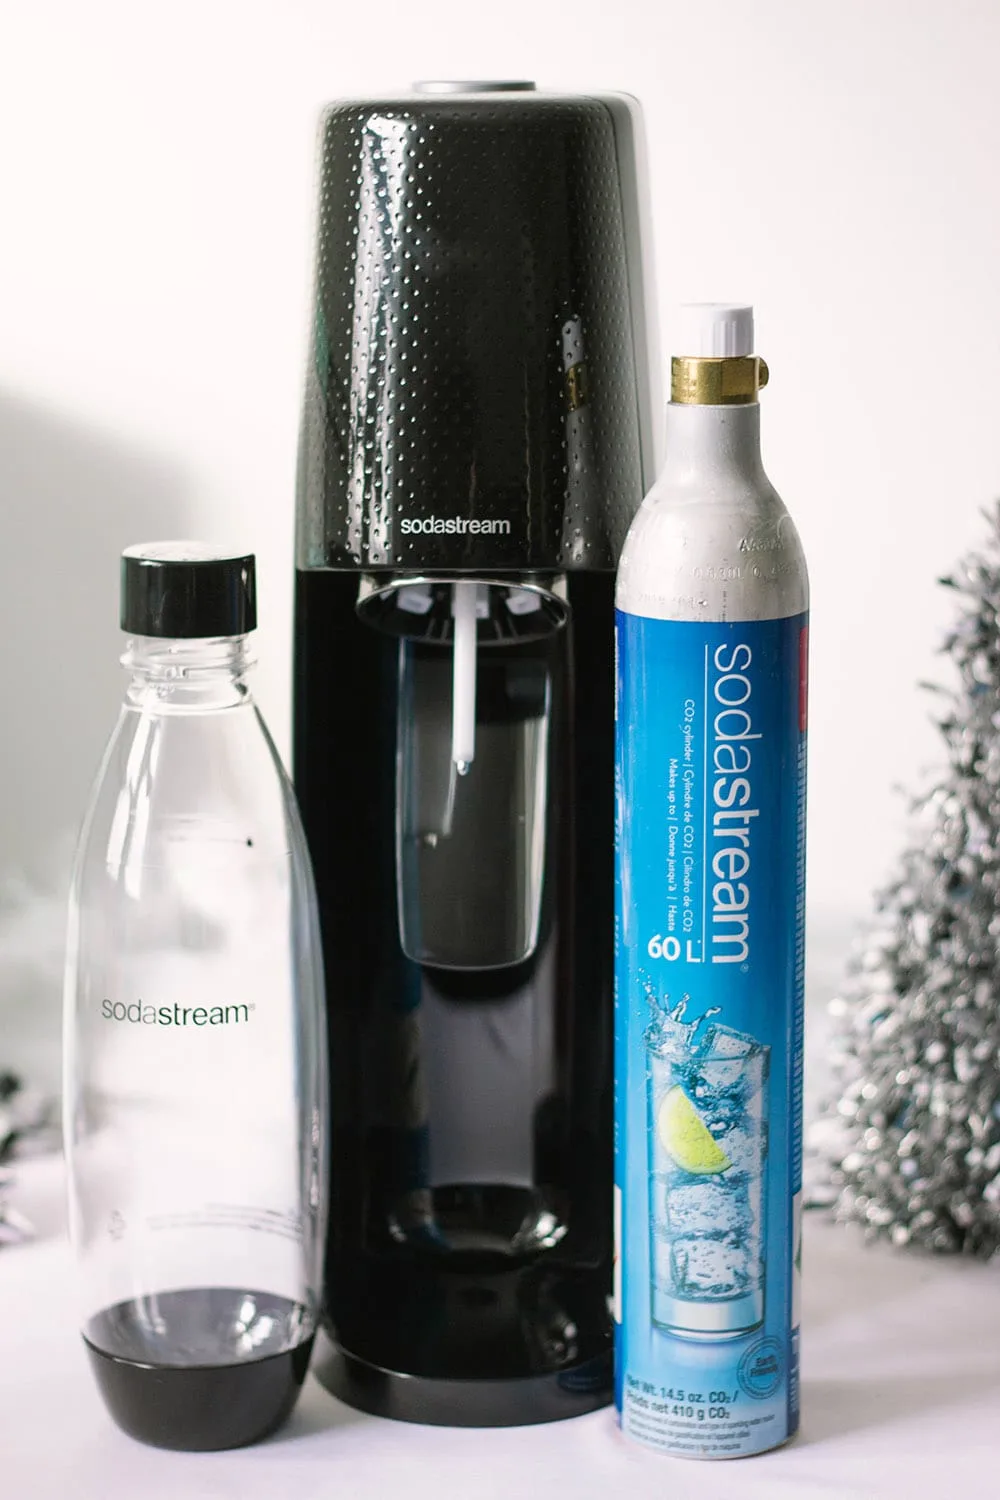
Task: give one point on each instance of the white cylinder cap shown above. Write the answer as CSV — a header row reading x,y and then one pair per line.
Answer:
x,y
714,330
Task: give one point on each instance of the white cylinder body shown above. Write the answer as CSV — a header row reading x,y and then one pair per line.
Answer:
x,y
713,539
712,641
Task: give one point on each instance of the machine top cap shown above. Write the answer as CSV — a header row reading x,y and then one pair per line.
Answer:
x,y
473,86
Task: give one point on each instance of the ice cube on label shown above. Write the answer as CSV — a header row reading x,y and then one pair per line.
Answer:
x,y
662,1267
709,1267
720,1100
728,1060
723,1041
744,1146
659,1196
718,1207
668,1039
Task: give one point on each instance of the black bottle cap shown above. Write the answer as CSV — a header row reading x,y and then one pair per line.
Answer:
x,y
186,590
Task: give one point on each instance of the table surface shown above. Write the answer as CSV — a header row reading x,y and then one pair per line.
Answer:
x,y
900,1397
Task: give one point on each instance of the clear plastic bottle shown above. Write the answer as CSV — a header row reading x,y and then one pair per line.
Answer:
x,y
195,1056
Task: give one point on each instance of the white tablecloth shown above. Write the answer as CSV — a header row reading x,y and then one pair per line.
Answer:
x,y
900,1398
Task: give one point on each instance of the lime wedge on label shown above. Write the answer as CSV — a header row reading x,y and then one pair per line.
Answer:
x,y
684,1134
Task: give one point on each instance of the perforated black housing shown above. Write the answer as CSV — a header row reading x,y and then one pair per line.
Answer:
x,y
472,395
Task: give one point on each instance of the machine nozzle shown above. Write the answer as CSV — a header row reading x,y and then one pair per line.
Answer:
x,y
463,712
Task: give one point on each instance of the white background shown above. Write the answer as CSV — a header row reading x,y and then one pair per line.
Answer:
x,y
836,164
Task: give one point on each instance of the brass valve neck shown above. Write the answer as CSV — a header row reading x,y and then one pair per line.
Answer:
x,y
704,381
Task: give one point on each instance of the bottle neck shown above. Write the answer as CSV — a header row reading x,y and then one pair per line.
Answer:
x,y
193,676
701,441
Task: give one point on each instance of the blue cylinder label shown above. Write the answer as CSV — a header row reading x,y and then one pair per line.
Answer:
x,y
709,933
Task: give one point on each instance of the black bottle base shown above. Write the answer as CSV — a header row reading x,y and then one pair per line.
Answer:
x,y
201,1409
521,1402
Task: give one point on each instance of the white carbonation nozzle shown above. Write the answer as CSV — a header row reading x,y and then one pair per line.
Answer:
x,y
463,688
713,330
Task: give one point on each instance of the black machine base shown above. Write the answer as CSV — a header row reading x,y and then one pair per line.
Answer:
x,y
550,1397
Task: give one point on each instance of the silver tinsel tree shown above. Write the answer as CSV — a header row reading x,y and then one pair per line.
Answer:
x,y
910,1144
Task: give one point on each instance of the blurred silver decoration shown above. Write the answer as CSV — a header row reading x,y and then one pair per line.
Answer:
x,y
28,1127
909,1146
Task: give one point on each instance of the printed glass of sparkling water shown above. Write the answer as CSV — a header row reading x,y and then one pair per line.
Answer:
x,y
708,1156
